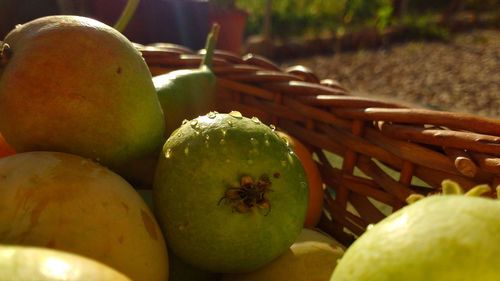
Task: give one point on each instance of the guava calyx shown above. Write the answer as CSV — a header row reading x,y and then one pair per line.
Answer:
x,y
450,187
250,195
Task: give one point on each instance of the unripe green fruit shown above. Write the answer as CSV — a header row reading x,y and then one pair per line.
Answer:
x,y
229,193
446,238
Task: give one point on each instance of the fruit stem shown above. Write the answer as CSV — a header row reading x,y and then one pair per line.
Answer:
x,y
127,14
210,46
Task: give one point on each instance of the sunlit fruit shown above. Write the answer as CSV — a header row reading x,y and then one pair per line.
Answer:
x,y
441,237
229,193
22,263
73,84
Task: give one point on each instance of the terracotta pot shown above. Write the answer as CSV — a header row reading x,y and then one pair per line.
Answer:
x,y
232,27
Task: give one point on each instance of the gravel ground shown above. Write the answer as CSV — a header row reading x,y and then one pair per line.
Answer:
x,y
462,75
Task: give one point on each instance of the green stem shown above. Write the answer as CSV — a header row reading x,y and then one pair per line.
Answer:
x,y
210,46
126,16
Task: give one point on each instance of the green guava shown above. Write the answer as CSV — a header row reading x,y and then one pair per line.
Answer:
x,y
229,193
441,237
21,263
312,257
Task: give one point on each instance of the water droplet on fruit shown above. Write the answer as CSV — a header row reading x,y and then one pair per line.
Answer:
x,y
266,140
236,114
168,153
186,150
255,120
211,114
207,137
194,123
286,141
290,158
272,127
254,141
184,121
222,141
230,123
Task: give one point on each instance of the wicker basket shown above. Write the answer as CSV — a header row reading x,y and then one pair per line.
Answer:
x,y
372,154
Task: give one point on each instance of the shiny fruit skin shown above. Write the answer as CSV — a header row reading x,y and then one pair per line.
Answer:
x,y
22,263
446,238
75,85
203,160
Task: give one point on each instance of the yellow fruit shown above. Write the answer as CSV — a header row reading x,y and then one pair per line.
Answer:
x,y
21,263
312,257
69,203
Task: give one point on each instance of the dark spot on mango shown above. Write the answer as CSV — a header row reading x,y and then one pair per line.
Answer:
x,y
120,239
125,206
276,175
119,70
149,224
51,244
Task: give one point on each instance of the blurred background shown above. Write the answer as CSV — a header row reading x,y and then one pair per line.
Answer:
x,y
442,54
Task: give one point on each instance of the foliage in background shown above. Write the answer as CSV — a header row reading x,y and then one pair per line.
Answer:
x,y
297,18
315,17
294,17
424,27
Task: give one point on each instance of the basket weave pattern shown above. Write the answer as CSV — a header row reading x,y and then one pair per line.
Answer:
x,y
372,154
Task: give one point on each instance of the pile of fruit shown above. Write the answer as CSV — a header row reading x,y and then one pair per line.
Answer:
x,y
84,125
